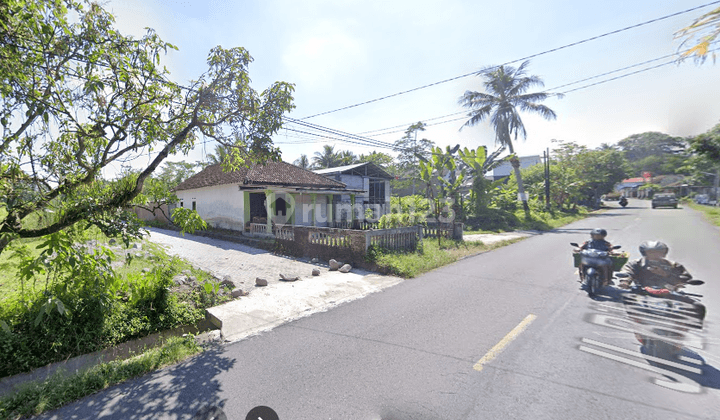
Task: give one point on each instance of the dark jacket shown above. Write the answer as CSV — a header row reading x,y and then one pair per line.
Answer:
x,y
655,273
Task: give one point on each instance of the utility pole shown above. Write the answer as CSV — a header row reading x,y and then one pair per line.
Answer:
x,y
414,149
547,178
717,181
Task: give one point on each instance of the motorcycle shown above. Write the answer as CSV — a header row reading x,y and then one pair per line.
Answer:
x,y
663,316
623,201
593,266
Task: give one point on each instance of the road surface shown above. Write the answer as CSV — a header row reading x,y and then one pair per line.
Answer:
x,y
441,346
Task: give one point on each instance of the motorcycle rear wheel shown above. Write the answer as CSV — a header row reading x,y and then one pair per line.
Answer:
x,y
593,284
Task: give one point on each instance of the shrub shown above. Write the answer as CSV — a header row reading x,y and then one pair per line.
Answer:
x,y
493,219
396,220
84,307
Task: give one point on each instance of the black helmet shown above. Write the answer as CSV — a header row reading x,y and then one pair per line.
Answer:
x,y
597,231
653,246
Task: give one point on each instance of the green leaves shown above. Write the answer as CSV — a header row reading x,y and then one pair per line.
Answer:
x,y
188,220
80,97
47,308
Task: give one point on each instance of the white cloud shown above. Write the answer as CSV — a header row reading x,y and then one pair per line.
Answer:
x,y
320,55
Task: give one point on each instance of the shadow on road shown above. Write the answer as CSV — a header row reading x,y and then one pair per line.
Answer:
x,y
178,391
708,378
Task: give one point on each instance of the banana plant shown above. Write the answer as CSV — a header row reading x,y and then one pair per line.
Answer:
x,y
435,168
477,164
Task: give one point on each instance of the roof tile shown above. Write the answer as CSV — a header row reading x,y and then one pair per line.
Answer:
x,y
273,173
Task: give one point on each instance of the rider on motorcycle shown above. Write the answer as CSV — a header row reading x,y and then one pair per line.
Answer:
x,y
597,241
654,270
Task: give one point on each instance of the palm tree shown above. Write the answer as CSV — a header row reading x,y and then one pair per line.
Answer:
x,y
506,87
221,152
328,158
302,162
347,157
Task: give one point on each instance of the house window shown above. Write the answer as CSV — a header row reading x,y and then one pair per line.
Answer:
x,y
194,206
377,192
182,204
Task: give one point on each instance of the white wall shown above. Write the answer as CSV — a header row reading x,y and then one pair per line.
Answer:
x,y
505,168
221,206
303,214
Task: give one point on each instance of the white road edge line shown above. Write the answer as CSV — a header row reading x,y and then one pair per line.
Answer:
x,y
500,346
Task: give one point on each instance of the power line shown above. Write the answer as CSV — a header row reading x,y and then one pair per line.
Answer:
x,y
340,133
337,139
619,77
626,74
515,61
551,89
409,124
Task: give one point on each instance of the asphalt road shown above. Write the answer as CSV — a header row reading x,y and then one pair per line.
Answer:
x,y
409,352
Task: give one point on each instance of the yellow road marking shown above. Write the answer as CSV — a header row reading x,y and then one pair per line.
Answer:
x,y
499,347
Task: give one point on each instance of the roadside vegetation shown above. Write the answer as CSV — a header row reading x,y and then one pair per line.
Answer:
x,y
711,213
74,294
427,257
65,290
37,397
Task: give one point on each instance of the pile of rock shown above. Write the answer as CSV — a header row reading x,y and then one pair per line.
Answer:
x,y
338,266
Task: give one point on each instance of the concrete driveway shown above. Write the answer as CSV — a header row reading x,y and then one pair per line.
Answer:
x,y
280,301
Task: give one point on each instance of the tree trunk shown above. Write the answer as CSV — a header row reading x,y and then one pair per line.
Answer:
x,y
515,162
4,241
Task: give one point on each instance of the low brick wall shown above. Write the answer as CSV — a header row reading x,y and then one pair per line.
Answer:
x,y
446,230
344,245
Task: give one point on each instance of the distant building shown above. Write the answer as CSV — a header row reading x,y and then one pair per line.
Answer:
x,y
505,169
371,179
629,187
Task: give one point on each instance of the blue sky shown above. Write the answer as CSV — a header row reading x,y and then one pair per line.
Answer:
x,y
339,53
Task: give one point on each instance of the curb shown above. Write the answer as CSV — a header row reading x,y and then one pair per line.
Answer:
x,y
205,331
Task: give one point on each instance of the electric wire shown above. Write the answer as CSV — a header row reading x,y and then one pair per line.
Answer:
x,y
514,61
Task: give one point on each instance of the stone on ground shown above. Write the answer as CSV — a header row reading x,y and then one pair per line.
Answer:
x,y
227,281
334,265
345,268
261,282
316,272
289,277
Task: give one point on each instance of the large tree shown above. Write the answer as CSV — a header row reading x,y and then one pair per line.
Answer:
x,y
302,162
77,98
654,152
381,159
347,157
220,155
708,144
328,158
505,95
410,152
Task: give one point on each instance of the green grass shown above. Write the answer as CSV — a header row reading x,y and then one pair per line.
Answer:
x,y
712,213
477,231
9,283
144,303
548,221
431,256
58,390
